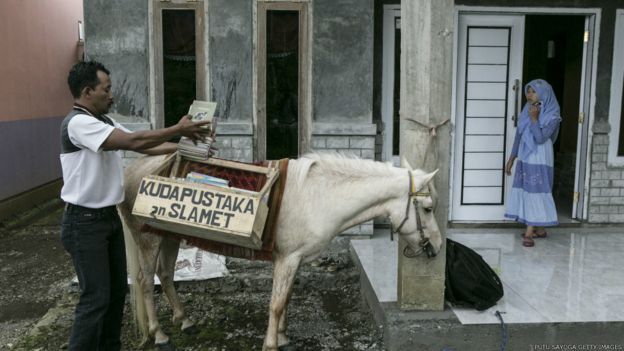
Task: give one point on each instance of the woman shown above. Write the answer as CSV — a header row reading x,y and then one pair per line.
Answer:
x,y
530,201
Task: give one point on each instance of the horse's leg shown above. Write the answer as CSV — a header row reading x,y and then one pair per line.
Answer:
x,y
148,254
284,272
282,338
166,269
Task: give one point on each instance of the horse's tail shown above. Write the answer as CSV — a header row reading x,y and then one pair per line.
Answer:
x,y
133,174
137,300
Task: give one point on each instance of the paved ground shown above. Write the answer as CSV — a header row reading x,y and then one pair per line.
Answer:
x,y
327,310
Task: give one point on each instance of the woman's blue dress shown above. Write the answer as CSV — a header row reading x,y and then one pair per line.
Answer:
x,y
530,200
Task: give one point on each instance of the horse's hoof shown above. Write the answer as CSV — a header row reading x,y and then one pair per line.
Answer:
x,y
192,330
166,346
282,339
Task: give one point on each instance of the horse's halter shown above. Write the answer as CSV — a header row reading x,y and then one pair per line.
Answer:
x,y
425,244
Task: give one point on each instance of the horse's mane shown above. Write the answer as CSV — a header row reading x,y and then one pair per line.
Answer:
x,y
336,164
333,165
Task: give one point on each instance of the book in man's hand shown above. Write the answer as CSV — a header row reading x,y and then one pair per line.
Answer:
x,y
202,150
202,111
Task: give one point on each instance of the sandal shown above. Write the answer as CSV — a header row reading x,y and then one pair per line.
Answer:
x,y
527,242
536,235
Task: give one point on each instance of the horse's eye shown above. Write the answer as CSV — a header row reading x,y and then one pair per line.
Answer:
x,y
428,209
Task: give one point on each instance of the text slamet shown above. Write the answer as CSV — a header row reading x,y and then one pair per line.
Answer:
x,y
205,207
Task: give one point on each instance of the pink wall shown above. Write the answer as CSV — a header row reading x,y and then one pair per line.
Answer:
x,y
37,49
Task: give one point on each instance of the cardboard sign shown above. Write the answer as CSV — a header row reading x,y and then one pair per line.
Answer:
x,y
222,214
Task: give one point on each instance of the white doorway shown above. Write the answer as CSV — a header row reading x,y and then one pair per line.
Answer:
x,y
496,55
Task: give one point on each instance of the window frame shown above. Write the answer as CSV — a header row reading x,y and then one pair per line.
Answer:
x,y
616,109
157,89
259,72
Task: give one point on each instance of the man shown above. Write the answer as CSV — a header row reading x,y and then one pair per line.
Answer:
x,y
93,185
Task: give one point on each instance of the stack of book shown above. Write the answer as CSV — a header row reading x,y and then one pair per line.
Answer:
x,y
206,179
197,152
203,149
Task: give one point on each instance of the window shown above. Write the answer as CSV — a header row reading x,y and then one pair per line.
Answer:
x,y
282,84
616,113
283,78
178,59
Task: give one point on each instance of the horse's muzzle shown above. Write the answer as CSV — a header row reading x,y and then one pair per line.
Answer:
x,y
428,249
425,246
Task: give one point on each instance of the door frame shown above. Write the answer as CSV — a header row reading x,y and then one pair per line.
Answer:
x,y
390,14
260,8
616,106
156,74
594,14
582,138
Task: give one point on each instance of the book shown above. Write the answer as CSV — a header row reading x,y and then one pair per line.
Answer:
x,y
202,149
202,110
206,179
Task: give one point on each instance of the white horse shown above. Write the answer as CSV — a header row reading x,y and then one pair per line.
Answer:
x,y
324,195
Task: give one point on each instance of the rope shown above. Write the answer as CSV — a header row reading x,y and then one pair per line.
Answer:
x,y
504,335
432,140
432,127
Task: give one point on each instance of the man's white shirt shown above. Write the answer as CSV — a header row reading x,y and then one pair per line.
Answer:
x,y
92,177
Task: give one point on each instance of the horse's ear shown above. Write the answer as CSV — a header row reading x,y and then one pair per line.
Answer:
x,y
405,164
420,181
427,177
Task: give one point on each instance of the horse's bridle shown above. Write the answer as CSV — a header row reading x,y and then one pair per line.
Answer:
x,y
425,244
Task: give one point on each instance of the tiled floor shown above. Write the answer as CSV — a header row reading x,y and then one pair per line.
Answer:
x,y
571,276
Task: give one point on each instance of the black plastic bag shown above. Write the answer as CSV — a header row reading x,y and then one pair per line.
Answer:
x,y
470,281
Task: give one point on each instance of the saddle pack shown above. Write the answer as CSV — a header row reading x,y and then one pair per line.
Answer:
x,y
470,281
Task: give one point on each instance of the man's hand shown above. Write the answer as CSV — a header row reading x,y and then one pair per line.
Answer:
x,y
193,130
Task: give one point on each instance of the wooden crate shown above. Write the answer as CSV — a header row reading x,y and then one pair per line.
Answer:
x,y
233,215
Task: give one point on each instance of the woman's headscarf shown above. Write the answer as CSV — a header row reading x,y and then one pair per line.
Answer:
x,y
549,111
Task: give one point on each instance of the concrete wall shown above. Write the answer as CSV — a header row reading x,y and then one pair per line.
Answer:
x,y
342,76
117,35
342,47
342,50
39,46
231,76
235,141
231,58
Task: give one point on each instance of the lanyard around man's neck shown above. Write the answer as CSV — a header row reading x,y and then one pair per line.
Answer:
x,y
103,118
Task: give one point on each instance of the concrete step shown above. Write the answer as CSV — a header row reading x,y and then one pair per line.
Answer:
x,y
430,330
